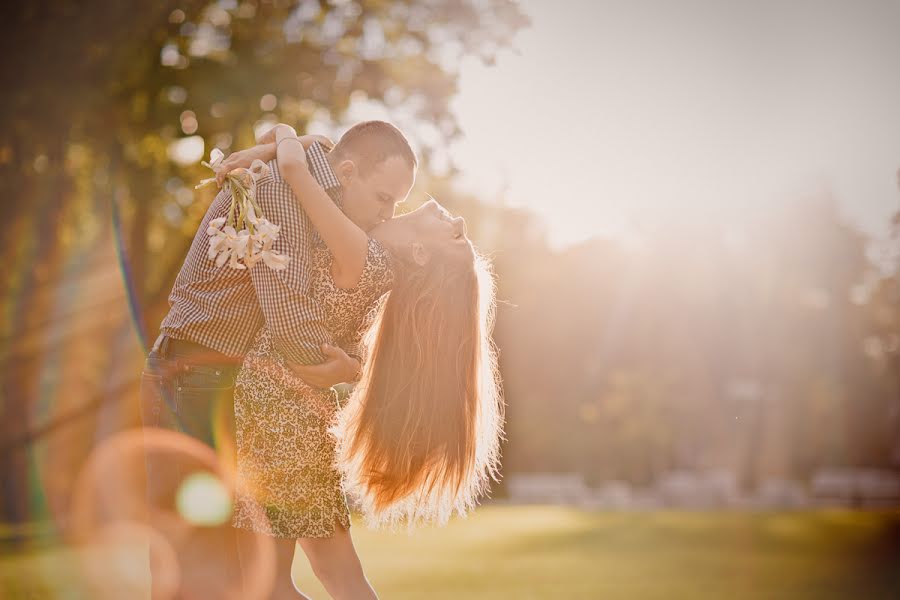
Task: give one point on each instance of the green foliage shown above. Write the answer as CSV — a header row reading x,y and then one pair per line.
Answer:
x,y
104,89
96,97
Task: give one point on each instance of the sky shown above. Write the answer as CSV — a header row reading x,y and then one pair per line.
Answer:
x,y
610,116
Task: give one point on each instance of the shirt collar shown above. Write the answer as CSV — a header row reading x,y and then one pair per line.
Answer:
x,y
322,171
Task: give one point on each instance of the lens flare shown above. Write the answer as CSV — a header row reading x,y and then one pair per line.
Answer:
x,y
203,500
182,516
115,563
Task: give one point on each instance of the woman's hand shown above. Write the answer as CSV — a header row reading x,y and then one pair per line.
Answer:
x,y
309,139
270,137
289,149
243,159
265,150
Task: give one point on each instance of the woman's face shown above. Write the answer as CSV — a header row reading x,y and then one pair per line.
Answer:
x,y
430,226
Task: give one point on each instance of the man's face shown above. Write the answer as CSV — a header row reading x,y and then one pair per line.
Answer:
x,y
371,199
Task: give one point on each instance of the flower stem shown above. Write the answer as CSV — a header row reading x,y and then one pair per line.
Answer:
x,y
231,210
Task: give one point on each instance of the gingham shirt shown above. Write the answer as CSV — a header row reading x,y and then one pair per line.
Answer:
x,y
223,308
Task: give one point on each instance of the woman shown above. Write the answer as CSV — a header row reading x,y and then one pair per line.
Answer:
x,y
419,437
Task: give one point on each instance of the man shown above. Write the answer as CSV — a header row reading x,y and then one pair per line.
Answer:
x,y
216,312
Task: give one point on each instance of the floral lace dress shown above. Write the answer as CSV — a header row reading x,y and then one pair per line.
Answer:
x,y
287,484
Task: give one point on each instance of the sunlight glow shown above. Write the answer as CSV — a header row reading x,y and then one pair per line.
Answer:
x,y
203,500
616,117
187,151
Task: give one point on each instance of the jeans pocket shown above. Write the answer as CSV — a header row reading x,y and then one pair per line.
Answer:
x,y
206,411
204,377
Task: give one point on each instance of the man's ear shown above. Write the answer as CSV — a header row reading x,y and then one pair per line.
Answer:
x,y
346,171
420,254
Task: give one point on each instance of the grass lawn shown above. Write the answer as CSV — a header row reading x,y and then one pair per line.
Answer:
x,y
556,552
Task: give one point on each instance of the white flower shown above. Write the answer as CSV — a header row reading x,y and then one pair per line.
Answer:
x,y
275,260
242,242
251,214
222,244
217,243
204,182
258,169
214,226
242,249
233,263
253,253
215,158
223,257
266,231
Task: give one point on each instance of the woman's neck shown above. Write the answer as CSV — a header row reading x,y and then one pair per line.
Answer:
x,y
393,236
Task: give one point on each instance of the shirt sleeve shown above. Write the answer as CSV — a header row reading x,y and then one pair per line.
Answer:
x,y
355,349
296,321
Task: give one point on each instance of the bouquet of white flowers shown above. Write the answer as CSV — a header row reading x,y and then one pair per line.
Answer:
x,y
245,236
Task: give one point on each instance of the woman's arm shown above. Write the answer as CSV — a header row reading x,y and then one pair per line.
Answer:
x,y
347,242
264,150
244,158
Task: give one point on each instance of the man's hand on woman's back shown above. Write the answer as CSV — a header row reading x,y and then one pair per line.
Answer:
x,y
339,367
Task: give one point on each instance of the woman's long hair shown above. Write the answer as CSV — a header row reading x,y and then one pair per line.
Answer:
x,y
419,438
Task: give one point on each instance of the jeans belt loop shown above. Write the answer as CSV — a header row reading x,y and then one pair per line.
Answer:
x,y
157,344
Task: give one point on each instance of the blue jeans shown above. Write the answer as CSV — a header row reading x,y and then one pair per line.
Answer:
x,y
194,397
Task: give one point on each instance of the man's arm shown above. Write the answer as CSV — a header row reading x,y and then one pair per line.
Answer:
x,y
353,345
264,150
347,242
355,349
295,319
297,322
345,362
338,368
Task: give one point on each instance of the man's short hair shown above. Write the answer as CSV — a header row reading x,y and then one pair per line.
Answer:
x,y
370,143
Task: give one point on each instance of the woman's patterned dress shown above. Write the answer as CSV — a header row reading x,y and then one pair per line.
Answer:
x,y
287,484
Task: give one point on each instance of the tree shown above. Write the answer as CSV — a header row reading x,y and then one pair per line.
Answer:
x,y
109,106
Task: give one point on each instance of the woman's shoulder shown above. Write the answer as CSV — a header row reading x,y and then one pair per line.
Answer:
x,y
375,275
378,262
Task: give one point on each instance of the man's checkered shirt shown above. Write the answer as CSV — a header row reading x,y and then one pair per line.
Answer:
x,y
223,308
